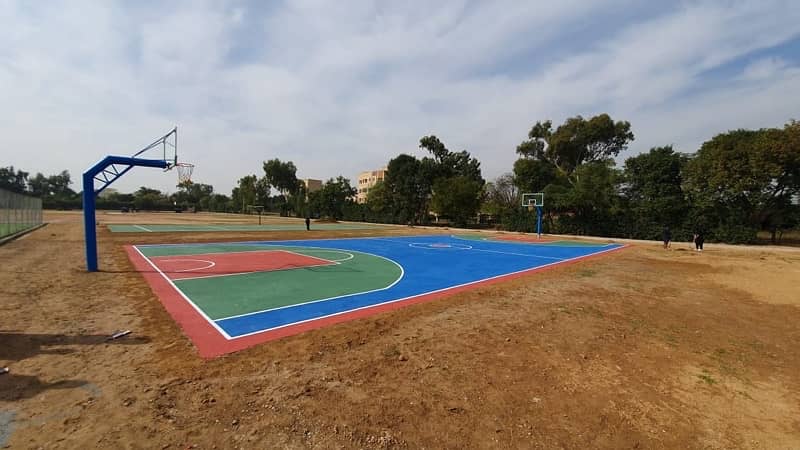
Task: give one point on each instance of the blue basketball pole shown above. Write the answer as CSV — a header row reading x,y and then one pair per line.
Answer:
x,y
106,172
539,221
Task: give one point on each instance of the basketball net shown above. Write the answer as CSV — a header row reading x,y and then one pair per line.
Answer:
x,y
184,172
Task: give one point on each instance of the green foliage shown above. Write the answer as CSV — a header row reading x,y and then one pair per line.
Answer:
x,y
379,204
577,141
457,198
14,181
501,196
245,193
218,203
589,206
193,195
533,175
746,180
407,187
330,201
653,193
412,186
150,200
281,175
448,164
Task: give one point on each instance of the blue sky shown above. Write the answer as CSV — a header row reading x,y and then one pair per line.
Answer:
x,y
340,87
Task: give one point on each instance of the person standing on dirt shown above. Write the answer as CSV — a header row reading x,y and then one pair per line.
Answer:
x,y
666,235
308,224
698,240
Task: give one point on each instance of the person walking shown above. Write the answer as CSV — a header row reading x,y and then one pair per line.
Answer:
x,y
698,241
308,224
666,235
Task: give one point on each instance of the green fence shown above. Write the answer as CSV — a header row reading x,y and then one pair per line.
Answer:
x,y
18,212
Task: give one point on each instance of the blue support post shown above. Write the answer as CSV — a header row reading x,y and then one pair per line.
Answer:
x,y
89,195
539,221
88,222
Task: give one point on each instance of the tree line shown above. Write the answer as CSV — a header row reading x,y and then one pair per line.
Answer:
x,y
736,184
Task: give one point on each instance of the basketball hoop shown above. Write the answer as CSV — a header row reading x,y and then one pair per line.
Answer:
x,y
184,172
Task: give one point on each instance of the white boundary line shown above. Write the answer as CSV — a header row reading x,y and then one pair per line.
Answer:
x,y
188,300
519,254
423,293
221,275
143,228
329,261
210,264
349,257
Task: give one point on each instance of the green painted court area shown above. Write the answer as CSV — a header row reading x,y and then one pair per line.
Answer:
x,y
218,285
177,228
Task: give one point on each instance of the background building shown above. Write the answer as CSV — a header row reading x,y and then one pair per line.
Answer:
x,y
366,180
312,185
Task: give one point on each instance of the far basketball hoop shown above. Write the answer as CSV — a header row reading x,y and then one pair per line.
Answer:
x,y
535,201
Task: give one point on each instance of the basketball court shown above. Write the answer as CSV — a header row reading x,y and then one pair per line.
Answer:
x,y
230,296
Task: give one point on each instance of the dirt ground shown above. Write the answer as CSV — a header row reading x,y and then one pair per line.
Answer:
x,y
643,348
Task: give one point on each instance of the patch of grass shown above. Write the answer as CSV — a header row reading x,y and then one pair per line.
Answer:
x,y
705,376
586,273
391,352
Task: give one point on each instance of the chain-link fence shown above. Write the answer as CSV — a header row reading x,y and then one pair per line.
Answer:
x,y
18,212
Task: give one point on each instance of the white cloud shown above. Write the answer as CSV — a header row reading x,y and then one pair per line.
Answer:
x,y
343,89
764,68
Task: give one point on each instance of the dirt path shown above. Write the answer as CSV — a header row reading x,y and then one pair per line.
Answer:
x,y
643,349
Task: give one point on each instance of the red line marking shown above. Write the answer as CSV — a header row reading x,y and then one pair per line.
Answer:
x,y
179,267
210,343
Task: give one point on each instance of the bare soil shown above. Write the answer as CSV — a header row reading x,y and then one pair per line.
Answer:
x,y
644,348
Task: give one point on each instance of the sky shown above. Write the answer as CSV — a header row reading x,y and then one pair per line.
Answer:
x,y
343,87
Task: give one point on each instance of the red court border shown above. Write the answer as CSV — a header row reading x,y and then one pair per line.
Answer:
x,y
211,343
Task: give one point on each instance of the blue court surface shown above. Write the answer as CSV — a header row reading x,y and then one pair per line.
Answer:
x,y
311,283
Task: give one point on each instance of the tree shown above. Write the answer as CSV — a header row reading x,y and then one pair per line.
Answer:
x,y
15,181
194,194
379,202
149,199
457,198
653,189
407,188
245,193
452,181
501,195
575,142
331,199
281,175
590,201
745,180
218,202
59,184
39,185
532,175
451,164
